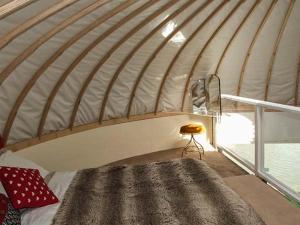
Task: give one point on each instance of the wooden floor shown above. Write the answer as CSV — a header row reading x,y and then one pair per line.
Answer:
x,y
273,208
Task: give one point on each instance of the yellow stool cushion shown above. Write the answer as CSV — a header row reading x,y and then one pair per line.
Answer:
x,y
192,129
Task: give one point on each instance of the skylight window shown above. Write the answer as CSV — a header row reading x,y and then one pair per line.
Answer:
x,y
178,37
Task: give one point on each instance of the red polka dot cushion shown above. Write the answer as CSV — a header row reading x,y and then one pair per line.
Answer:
x,y
26,188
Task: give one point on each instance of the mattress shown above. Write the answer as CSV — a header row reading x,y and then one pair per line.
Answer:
x,y
183,191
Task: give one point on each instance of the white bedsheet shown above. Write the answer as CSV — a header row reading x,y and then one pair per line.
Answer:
x,y
44,215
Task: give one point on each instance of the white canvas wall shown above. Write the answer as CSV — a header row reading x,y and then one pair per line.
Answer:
x,y
143,88
107,144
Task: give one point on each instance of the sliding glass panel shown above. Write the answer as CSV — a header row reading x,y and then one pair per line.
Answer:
x,y
282,147
236,130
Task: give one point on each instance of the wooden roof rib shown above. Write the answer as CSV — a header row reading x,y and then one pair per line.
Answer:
x,y
234,35
84,53
161,46
39,42
13,6
8,37
122,40
276,45
186,43
297,84
42,69
144,40
259,29
52,59
199,56
146,19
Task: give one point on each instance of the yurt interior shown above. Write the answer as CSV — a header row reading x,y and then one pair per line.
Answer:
x,y
149,112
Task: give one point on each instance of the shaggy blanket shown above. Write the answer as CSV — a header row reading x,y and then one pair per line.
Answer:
x,y
175,192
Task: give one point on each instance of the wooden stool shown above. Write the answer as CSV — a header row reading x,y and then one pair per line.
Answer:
x,y
192,129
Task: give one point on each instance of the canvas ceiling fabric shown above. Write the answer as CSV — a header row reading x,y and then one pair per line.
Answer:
x,y
68,63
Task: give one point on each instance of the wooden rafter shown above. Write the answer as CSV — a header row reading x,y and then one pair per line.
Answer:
x,y
8,37
58,53
136,48
259,28
234,35
166,75
276,45
199,56
83,54
109,53
161,46
13,6
36,76
40,41
297,84
105,99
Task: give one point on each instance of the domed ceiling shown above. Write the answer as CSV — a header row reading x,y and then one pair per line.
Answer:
x,y
68,63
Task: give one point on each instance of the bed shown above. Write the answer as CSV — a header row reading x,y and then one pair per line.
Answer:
x,y
184,191
181,191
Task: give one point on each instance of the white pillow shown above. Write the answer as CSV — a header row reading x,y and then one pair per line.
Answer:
x,y
2,190
8,158
59,184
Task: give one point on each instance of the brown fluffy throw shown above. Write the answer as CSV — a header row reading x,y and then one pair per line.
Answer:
x,y
175,192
